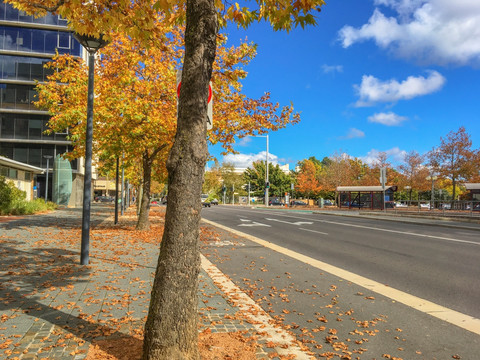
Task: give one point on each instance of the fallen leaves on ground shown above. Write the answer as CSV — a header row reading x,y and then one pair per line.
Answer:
x,y
212,346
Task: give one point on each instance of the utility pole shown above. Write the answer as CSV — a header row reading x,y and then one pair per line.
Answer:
x,y
383,179
48,157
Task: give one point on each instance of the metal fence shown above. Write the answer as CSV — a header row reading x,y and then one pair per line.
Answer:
x,y
458,208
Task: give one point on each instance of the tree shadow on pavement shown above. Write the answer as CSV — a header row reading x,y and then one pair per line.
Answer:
x,y
38,281
68,218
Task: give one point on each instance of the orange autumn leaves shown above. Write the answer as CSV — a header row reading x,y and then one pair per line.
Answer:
x,y
136,100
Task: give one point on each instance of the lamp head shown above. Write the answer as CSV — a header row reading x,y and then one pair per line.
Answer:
x,y
91,43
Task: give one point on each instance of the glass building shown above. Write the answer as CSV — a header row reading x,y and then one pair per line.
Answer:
x,y
26,44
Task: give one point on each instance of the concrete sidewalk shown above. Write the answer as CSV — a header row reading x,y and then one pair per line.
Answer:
x,y
52,308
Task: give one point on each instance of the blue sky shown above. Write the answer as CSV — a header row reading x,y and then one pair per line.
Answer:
x,y
373,75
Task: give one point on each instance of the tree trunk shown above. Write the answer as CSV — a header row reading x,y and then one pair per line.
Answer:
x,y
171,330
143,223
454,183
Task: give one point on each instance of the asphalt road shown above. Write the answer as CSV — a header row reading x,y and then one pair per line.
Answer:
x,y
439,264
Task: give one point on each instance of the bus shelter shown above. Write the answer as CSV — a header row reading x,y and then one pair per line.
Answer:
x,y
474,190
366,197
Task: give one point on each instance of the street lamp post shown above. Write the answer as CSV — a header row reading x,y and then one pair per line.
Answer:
x,y
92,45
266,171
48,157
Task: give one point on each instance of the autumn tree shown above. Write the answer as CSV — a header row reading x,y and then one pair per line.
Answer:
x,y
337,172
137,104
307,180
232,181
454,158
212,183
360,173
414,171
171,328
135,107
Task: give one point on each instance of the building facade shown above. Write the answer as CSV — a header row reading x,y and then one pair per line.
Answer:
x,y
26,44
21,174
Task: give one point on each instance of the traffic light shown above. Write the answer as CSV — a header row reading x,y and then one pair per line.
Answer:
x,y
267,185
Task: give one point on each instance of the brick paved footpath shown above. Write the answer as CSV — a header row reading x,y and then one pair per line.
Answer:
x,y
51,307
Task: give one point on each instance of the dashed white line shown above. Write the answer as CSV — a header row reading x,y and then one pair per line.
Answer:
x,y
314,231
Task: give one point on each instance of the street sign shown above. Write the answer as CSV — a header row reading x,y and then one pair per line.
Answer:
x,y
209,103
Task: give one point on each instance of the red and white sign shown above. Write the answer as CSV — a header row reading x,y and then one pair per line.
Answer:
x,y
209,103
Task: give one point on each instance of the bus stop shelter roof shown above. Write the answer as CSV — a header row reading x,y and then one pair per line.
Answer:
x,y
363,188
472,186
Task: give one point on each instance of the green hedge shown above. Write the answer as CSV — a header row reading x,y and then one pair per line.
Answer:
x,y
13,202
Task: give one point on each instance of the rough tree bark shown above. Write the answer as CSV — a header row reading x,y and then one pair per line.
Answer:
x,y
171,327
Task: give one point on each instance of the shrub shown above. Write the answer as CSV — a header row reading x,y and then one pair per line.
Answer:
x,y
10,196
13,202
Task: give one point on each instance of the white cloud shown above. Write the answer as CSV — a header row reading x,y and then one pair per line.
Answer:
x,y
373,90
245,160
389,119
430,31
332,68
352,134
395,155
245,141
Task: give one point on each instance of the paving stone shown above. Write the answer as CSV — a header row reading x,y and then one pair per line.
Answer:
x,y
44,309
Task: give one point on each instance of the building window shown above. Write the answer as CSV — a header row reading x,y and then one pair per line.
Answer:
x,y
62,20
20,154
35,129
15,96
28,176
7,127
12,174
6,150
63,40
40,41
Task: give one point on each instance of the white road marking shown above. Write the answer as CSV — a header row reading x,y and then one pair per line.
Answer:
x,y
314,231
451,316
254,223
298,223
376,229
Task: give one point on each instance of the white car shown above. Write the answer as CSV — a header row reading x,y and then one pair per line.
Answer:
x,y
425,206
400,205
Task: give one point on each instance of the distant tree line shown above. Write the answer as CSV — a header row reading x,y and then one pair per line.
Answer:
x,y
449,165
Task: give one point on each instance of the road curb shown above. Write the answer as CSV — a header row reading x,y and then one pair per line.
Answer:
x,y
256,316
